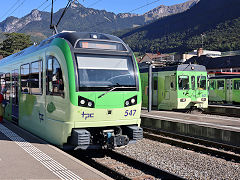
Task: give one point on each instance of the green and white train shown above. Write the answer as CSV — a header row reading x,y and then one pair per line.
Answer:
x,y
180,87
224,88
75,90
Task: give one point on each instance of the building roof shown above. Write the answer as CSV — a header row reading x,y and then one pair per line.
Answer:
x,y
155,56
216,63
182,67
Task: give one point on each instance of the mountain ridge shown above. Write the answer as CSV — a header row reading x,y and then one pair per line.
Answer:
x,y
182,32
85,19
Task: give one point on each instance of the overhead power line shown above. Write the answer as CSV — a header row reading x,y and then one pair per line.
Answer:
x,y
9,10
42,4
144,6
103,22
38,9
91,5
17,7
48,6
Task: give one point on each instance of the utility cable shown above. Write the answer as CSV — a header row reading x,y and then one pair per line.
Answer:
x,y
66,8
42,4
48,6
103,22
9,10
17,7
91,5
144,6
38,9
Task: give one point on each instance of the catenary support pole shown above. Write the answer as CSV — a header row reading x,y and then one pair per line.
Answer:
x,y
150,88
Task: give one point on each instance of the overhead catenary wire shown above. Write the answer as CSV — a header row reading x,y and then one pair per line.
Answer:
x,y
17,7
48,6
144,6
5,14
97,24
38,9
42,4
64,11
91,5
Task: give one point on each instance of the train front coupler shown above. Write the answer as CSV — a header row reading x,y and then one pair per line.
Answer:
x,y
114,140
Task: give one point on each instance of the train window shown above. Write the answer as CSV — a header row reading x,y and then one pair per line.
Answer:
x,y
212,85
155,83
220,84
167,83
55,85
99,72
25,72
36,77
5,86
193,82
14,86
201,82
183,82
173,80
237,84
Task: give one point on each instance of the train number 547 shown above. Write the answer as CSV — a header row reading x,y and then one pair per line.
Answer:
x,y
130,112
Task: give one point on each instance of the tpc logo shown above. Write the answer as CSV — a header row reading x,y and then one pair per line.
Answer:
x,y
87,115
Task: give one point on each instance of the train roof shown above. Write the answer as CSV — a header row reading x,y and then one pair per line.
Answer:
x,y
182,67
225,77
72,37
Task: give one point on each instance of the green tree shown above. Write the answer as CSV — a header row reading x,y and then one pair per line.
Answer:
x,y
14,42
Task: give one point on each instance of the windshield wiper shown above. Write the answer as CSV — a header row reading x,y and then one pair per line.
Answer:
x,y
107,92
113,88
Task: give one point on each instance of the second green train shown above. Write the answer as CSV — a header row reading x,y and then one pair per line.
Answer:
x,y
180,87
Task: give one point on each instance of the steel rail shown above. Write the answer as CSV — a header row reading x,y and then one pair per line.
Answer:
x,y
148,170
225,151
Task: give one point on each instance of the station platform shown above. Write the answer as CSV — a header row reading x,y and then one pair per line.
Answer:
x,y
220,129
224,109
24,156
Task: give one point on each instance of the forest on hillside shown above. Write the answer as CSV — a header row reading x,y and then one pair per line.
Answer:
x,y
223,37
216,21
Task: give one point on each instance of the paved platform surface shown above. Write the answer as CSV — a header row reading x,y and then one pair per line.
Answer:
x,y
219,122
24,156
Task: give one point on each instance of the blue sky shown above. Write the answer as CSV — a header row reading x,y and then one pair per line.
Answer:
x,y
20,8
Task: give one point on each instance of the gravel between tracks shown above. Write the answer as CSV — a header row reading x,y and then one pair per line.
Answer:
x,y
185,163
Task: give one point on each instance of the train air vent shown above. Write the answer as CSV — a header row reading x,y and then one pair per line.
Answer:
x,y
133,132
80,137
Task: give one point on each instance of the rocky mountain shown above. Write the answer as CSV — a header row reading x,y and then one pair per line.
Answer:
x,y
162,10
80,18
217,20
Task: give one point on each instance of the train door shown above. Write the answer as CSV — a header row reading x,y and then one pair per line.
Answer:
x,y
56,103
229,90
15,100
167,85
155,90
193,86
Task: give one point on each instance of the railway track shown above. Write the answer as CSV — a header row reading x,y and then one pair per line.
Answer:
x,y
119,166
228,152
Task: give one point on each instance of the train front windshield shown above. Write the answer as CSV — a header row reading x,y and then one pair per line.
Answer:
x,y
99,72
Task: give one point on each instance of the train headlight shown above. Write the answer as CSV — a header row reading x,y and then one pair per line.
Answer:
x,y
90,104
183,100
203,99
131,101
84,102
